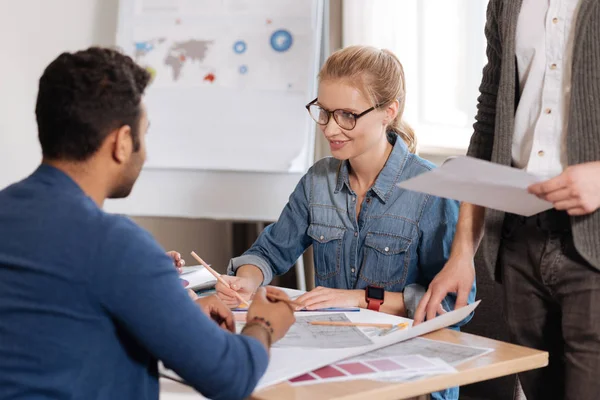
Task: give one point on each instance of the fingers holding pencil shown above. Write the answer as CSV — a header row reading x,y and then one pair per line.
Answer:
x,y
278,314
225,284
230,289
230,294
274,295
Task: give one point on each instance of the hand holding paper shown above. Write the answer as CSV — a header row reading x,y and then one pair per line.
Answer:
x,y
482,183
576,190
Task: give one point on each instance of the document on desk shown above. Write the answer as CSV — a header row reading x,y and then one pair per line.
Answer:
x,y
482,183
290,362
303,334
440,367
451,353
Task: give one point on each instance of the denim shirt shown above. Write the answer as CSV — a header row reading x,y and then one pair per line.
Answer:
x,y
400,240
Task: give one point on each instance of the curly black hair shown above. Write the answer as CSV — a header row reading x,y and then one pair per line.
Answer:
x,y
84,96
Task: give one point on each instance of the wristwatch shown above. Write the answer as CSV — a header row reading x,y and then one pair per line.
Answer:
x,y
374,297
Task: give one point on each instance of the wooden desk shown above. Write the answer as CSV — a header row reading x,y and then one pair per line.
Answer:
x,y
506,359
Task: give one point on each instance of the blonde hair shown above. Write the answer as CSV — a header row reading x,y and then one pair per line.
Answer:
x,y
379,76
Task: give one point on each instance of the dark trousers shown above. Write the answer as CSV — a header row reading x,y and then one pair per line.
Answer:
x,y
552,303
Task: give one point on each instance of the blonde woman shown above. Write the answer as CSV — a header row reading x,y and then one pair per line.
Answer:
x,y
375,245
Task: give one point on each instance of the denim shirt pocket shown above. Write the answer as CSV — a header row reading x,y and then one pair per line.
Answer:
x,y
327,248
386,260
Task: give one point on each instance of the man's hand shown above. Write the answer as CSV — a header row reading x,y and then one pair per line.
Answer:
x,y
576,190
279,314
321,297
457,276
219,312
177,260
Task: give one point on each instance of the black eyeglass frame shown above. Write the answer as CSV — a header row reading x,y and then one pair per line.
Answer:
x,y
330,113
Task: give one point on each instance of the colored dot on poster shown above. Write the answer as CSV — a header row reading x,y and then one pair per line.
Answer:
x,y
240,47
281,40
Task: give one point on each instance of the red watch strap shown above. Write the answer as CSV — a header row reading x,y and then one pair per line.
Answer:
x,y
373,304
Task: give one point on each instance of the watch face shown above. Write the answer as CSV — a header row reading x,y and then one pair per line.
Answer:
x,y
375,293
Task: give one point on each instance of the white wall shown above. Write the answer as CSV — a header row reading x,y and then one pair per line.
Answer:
x,y
33,33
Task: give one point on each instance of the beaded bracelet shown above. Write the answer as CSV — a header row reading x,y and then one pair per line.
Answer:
x,y
264,324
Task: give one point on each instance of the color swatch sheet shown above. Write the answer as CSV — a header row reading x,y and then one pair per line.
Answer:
x,y
385,367
408,360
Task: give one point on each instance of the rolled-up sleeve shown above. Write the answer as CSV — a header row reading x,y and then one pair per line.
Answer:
x,y
255,260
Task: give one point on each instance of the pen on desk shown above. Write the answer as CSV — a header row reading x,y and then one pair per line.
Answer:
x,y
217,275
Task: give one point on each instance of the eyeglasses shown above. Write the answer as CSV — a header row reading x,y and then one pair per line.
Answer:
x,y
345,119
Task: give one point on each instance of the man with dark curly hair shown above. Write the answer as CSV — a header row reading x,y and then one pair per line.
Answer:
x,y
88,300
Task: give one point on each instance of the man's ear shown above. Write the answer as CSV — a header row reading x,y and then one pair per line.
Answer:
x,y
122,144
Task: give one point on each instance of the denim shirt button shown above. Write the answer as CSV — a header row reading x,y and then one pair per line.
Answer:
x,y
322,237
387,249
355,234
352,270
353,198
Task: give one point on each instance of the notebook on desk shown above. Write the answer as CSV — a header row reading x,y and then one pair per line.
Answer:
x,y
197,278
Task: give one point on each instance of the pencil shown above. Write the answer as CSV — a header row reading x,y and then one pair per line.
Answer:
x,y
218,276
362,324
271,296
394,329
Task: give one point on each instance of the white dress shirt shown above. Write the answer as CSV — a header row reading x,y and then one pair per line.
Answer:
x,y
544,45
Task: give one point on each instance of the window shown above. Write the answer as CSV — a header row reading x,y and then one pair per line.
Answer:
x,y
441,45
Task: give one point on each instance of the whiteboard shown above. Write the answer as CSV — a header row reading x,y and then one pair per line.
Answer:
x,y
230,81
225,195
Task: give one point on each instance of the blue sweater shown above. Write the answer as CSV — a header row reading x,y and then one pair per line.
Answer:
x,y
89,302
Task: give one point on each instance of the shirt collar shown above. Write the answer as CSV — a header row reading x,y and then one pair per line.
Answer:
x,y
54,176
387,178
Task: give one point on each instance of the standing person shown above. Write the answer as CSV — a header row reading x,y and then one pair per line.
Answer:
x,y
539,110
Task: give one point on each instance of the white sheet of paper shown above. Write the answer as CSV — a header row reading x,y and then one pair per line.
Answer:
x,y
451,353
198,277
287,363
441,367
304,334
193,268
482,183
